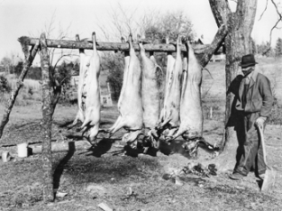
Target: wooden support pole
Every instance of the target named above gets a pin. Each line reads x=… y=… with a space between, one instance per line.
x=29 y=57
x=47 y=111
x=109 y=46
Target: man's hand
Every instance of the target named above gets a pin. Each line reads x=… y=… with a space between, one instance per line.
x=260 y=121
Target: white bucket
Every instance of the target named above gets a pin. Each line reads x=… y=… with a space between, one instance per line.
x=6 y=156
x=22 y=150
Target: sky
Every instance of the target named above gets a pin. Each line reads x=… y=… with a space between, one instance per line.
x=30 y=18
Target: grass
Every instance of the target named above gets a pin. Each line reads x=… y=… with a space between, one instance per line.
x=28 y=95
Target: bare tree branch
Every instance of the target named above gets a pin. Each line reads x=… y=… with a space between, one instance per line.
x=104 y=32
x=50 y=27
x=265 y=8
x=276 y=8
x=279 y=20
x=61 y=58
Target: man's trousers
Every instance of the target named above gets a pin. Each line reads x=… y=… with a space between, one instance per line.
x=249 y=143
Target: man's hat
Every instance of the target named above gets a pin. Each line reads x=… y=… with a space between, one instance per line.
x=247 y=61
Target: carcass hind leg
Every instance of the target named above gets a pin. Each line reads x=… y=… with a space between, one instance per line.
x=78 y=117
x=170 y=136
x=118 y=125
x=93 y=132
x=163 y=124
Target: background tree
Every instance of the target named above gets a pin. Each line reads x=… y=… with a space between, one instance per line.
x=18 y=68
x=169 y=25
x=278 y=47
x=263 y=49
x=7 y=63
x=10 y=61
x=278 y=22
x=63 y=74
x=114 y=63
x=4 y=85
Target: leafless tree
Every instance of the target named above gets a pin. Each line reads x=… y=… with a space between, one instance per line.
x=276 y=24
x=10 y=60
x=124 y=21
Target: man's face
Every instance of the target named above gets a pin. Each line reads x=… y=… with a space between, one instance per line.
x=247 y=70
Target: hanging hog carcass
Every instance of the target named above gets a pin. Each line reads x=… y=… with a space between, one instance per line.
x=130 y=103
x=151 y=100
x=191 y=115
x=90 y=94
x=84 y=66
x=169 y=119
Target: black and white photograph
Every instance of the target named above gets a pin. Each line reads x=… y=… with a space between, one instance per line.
x=141 y=105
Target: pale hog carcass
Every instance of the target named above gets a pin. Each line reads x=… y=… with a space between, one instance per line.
x=191 y=115
x=83 y=67
x=130 y=103
x=170 y=113
x=90 y=90
x=151 y=101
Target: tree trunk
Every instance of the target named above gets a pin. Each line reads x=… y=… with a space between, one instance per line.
x=47 y=111
x=238 y=42
x=29 y=57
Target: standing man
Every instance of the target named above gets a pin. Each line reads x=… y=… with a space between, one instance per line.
x=254 y=102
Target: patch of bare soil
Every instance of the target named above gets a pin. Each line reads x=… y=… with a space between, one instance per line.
x=95 y=176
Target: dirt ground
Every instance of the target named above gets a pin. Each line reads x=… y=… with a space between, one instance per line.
x=136 y=182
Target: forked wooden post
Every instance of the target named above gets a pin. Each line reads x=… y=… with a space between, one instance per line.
x=47 y=93
x=29 y=57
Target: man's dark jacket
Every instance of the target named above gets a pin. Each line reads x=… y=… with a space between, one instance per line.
x=259 y=96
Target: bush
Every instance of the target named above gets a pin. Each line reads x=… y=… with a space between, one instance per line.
x=34 y=73
x=63 y=73
x=115 y=64
x=18 y=68
x=4 y=84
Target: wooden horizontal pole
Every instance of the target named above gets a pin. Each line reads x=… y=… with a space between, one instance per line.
x=109 y=46
x=55 y=147
x=62 y=147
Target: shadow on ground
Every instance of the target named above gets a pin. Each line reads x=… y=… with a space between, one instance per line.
x=88 y=169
